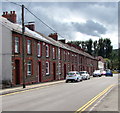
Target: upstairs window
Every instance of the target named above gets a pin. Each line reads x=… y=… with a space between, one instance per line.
x=39 y=49
x=68 y=56
x=17 y=45
x=59 y=53
x=59 y=68
x=47 y=51
x=64 y=55
x=29 y=67
x=54 y=53
x=47 y=68
x=29 y=47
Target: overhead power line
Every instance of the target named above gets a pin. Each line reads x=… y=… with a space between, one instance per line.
x=43 y=22
x=14 y=3
x=37 y=18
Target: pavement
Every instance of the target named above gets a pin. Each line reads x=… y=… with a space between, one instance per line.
x=17 y=89
x=108 y=102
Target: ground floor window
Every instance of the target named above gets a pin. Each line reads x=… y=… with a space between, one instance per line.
x=29 y=67
x=47 y=68
x=59 y=68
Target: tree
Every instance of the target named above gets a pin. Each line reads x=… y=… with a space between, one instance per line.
x=107 y=48
x=101 y=47
x=95 y=47
x=89 y=45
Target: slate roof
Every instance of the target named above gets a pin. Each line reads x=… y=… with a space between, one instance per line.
x=37 y=35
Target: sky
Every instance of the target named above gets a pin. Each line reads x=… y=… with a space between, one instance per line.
x=72 y=20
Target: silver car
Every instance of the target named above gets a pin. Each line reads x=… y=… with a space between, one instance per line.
x=73 y=76
x=85 y=75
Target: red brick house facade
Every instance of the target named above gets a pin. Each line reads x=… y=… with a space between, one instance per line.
x=45 y=60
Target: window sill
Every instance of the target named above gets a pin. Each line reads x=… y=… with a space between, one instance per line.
x=38 y=56
x=47 y=74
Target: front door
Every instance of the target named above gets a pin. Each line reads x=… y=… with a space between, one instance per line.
x=17 y=72
x=72 y=67
x=64 y=71
x=39 y=72
x=54 y=71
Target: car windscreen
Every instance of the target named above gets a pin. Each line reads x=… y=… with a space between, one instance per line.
x=70 y=73
x=108 y=71
x=82 y=72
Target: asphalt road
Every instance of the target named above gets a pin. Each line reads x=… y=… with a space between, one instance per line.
x=59 y=97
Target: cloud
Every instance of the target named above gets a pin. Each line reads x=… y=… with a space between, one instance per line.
x=90 y=28
x=72 y=19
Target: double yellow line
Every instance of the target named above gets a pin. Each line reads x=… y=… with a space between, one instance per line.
x=84 y=107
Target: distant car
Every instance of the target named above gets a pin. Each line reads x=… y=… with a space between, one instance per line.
x=85 y=75
x=97 y=73
x=109 y=73
x=73 y=76
x=103 y=73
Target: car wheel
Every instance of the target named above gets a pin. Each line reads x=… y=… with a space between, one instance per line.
x=66 y=81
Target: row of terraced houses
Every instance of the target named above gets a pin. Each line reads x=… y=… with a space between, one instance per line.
x=46 y=58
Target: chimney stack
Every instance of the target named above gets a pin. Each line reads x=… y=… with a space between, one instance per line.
x=54 y=36
x=10 y=16
x=31 y=26
x=62 y=40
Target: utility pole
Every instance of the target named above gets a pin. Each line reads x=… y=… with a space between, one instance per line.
x=23 y=40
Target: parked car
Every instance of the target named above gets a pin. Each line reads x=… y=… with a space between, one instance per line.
x=103 y=72
x=85 y=75
x=73 y=76
x=109 y=73
x=97 y=73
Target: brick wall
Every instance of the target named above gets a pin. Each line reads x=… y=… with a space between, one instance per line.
x=69 y=62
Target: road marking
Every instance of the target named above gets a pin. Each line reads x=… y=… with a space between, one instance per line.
x=84 y=107
x=26 y=90
x=101 y=99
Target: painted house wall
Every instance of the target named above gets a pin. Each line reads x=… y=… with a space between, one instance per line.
x=6 y=54
x=100 y=65
x=0 y=54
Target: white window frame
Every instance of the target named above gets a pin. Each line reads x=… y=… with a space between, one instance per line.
x=64 y=55
x=47 y=68
x=39 y=49
x=29 y=46
x=59 y=68
x=59 y=53
x=29 y=66
x=17 y=45
x=68 y=56
x=53 y=52
x=47 y=51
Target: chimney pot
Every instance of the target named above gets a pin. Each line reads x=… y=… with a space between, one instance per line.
x=3 y=13
x=10 y=12
x=6 y=12
x=13 y=12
